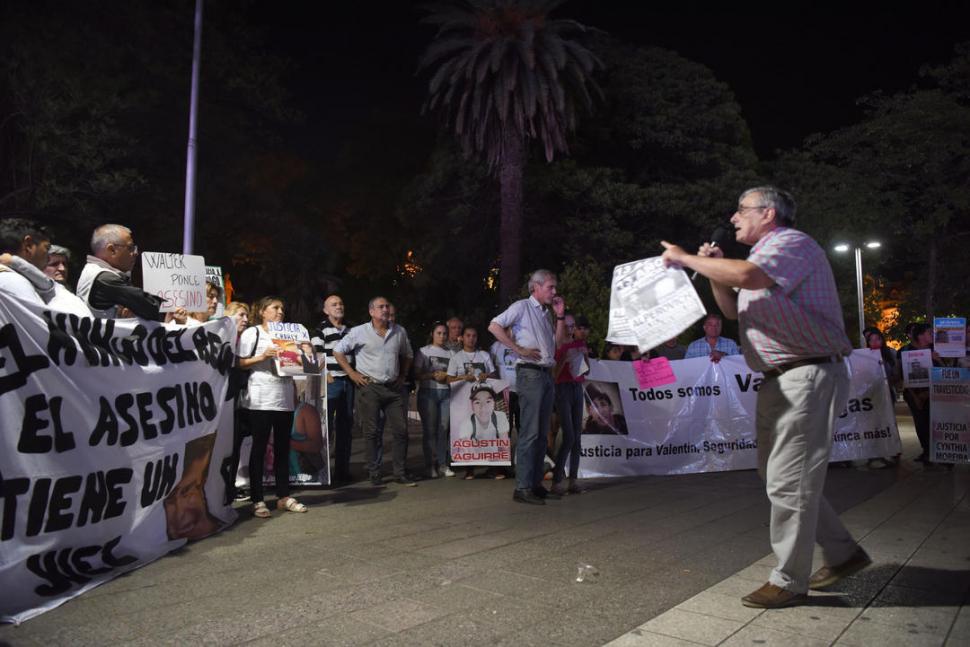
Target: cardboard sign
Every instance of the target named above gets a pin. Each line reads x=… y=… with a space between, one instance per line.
x=654 y=372
x=176 y=278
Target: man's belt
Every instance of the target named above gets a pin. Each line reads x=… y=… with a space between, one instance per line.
x=533 y=367
x=798 y=363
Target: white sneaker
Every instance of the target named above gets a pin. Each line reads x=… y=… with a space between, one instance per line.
x=448 y=472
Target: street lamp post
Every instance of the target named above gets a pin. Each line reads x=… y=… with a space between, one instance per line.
x=842 y=248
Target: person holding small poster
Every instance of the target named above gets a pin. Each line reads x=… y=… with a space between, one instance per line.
x=470 y=364
x=270 y=400
x=918 y=399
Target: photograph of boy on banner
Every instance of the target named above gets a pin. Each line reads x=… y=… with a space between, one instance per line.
x=602 y=401
x=480 y=424
x=187 y=513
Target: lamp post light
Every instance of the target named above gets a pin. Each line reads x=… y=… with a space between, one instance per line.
x=845 y=247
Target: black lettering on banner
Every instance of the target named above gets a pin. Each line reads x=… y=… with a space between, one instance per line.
x=66 y=566
x=58 y=340
x=148 y=429
x=25 y=364
x=61 y=502
x=746 y=383
x=94 y=500
x=123 y=402
x=10 y=489
x=107 y=424
x=49 y=499
x=195 y=403
x=159 y=479
x=30 y=441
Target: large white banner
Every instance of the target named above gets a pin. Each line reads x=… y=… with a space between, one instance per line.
x=705 y=421
x=114 y=441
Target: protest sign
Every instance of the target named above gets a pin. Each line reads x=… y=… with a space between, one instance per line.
x=309 y=457
x=654 y=372
x=480 y=423
x=177 y=278
x=296 y=355
x=949 y=336
x=704 y=422
x=950 y=415
x=916 y=368
x=115 y=439
x=213 y=275
x=650 y=303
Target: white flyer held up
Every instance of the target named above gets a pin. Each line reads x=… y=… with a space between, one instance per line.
x=650 y=303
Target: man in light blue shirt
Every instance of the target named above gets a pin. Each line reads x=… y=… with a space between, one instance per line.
x=383 y=358
x=712 y=344
x=528 y=329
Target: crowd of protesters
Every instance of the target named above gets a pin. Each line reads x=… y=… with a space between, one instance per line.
x=539 y=349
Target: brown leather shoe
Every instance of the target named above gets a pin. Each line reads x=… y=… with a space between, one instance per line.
x=829 y=575
x=770 y=596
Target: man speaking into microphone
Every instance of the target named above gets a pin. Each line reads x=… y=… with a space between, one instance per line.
x=792 y=331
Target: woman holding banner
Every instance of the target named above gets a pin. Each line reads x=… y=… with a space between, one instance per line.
x=434 y=400
x=270 y=400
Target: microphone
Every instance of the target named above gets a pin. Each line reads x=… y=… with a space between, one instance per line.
x=718 y=238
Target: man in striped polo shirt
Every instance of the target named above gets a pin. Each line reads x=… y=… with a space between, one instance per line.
x=340 y=390
x=792 y=331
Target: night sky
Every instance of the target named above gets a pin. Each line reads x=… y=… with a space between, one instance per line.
x=795 y=70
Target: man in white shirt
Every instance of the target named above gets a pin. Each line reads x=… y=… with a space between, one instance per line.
x=527 y=328
x=29 y=241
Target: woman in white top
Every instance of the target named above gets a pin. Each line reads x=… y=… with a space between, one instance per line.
x=434 y=401
x=270 y=400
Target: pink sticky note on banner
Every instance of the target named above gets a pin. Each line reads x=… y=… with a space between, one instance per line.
x=655 y=372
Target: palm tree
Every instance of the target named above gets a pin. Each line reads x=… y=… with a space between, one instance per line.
x=506 y=72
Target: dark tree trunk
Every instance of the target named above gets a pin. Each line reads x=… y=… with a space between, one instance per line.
x=931 y=281
x=510 y=231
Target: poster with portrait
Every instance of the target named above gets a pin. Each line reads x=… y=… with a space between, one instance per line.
x=949 y=336
x=603 y=409
x=916 y=368
x=480 y=424
x=309 y=456
x=296 y=355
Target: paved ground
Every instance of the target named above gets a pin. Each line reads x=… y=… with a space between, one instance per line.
x=457 y=562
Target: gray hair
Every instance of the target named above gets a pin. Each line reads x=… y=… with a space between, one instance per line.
x=57 y=250
x=370 y=304
x=106 y=235
x=781 y=201
x=539 y=277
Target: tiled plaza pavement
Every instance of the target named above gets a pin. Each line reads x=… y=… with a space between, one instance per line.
x=456 y=562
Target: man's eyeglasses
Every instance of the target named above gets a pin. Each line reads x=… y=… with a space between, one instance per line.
x=742 y=208
x=131 y=247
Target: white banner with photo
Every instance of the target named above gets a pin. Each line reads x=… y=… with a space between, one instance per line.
x=704 y=422
x=480 y=423
x=115 y=439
